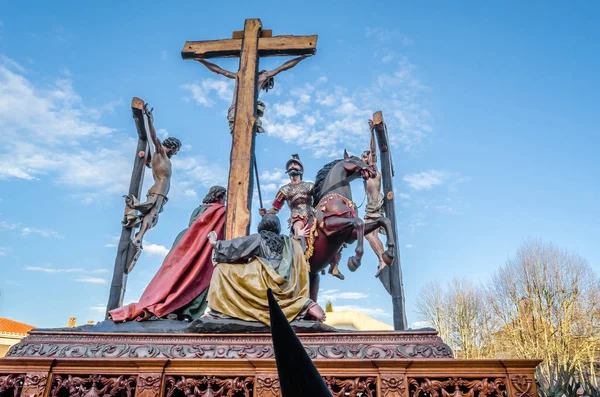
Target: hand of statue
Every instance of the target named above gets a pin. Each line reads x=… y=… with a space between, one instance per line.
x=212 y=238
x=141 y=154
x=305 y=231
x=149 y=113
x=371 y=124
x=262 y=211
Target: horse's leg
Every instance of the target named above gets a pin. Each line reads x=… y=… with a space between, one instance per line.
x=355 y=228
x=314 y=281
x=359 y=228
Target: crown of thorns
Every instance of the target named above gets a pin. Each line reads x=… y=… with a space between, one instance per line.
x=172 y=143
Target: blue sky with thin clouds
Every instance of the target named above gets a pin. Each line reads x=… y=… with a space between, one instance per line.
x=492 y=109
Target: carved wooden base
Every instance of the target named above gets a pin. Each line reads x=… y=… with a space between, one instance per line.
x=245 y=378
x=340 y=346
x=374 y=364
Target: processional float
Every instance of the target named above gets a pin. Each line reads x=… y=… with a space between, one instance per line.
x=212 y=357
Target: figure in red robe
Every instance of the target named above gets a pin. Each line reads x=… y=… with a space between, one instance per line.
x=181 y=284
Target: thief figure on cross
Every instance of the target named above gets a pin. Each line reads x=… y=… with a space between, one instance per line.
x=146 y=214
x=266 y=82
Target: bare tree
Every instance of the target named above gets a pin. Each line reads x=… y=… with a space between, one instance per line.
x=543 y=303
x=548 y=301
x=460 y=315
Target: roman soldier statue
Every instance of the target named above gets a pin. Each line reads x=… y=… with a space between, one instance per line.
x=298 y=195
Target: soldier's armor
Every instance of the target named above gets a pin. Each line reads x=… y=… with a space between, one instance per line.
x=298 y=197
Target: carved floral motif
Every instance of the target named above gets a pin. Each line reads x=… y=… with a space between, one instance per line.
x=93 y=386
x=208 y=386
x=392 y=386
x=35 y=384
x=11 y=384
x=354 y=387
x=457 y=387
x=409 y=346
x=148 y=385
x=523 y=385
x=267 y=386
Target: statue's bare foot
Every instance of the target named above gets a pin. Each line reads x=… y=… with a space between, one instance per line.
x=209 y=316
x=316 y=312
x=334 y=270
x=146 y=315
x=138 y=252
x=382 y=265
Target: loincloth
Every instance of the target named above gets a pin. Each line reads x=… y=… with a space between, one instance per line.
x=260 y=111
x=136 y=211
x=374 y=211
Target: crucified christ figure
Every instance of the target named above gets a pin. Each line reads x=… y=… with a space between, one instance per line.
x=157 y=194
x=374 y=209
x=266 y=82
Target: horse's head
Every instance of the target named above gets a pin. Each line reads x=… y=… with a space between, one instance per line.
x=355 y=165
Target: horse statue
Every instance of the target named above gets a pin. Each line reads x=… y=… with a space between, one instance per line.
x=335 y=219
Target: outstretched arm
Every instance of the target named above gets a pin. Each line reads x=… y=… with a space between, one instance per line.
x=373 y=149
x=214 y=68
x=286 y=66
x=157 y=143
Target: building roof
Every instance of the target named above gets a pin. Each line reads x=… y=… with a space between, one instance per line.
x=10 y=327
x=350 y=319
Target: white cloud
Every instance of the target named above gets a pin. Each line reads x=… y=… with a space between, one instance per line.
x=202 y=92
x=98 y=308
x=90 y=280
x=27 y=230
x=64 y=270
x=155 y=249
x=274 y=175
x=426 y=180
x=409 y=246
x=420 y=324
x=333 y=295
x=286 y=109
x=367 y=311
x=4 y=251
x=9 y=282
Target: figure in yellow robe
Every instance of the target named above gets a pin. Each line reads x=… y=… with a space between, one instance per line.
x=246 y=267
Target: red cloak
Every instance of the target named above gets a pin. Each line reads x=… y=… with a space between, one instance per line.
x=185 y=273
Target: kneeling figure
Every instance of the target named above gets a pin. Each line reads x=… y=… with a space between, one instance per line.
x=245 y=267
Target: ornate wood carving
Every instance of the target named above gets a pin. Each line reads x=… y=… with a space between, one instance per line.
x=257 y=346
x=267 y=385
x=148 y=385
x=208 y=386
x=522 y=385
x=392 y=385
x=354 y=387
x=457 y=387
x=93 y=386
x=35 y=384
x=11 y=385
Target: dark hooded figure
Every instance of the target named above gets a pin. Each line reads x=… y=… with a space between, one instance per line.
x=298 y=376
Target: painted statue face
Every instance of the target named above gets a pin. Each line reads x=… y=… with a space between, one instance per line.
x=364 y=158
x=294 y=166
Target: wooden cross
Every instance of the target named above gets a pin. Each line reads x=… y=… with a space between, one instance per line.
x=248 y=45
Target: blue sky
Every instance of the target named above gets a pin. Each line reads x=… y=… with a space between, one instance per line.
x=492 y=109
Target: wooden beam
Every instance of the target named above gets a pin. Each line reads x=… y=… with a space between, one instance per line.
x=394 y=271
x=125 y=249
x=239 y=191
x=239 y=34
x=267 y=46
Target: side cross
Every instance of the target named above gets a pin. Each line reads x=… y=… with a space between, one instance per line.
x=248 y=45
